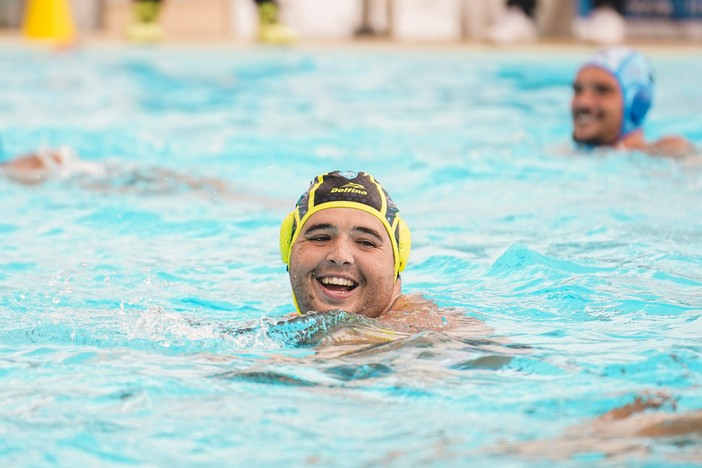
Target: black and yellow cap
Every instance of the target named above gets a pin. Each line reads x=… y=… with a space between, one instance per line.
x=347 y=189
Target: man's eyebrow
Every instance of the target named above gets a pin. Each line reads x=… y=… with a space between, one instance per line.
x=601 y=85
x=594 y=84
x=319 y=227
x=369 y=231
x=331 y=227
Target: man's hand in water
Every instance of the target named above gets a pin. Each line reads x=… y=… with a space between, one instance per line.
x=32 y=168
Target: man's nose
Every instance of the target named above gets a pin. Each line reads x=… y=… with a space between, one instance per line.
x=341 y=252
x=583 y=99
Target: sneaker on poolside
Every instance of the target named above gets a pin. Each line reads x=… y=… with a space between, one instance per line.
x=513 y=27
x=603 y=26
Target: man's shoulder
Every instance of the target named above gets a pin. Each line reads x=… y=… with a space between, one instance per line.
x=414 y=312
x=412 y=303
x=671 y=145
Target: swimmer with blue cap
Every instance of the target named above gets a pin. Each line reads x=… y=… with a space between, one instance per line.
x=612 y=93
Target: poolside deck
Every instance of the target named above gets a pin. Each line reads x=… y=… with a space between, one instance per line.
x=555 y=45
x=232 y=24
x=182 y=31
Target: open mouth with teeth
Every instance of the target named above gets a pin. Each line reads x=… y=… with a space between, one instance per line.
x=584 y=117
x=337 y=284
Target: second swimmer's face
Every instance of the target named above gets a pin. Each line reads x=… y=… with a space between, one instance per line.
x=597 y=107
x=343 y=260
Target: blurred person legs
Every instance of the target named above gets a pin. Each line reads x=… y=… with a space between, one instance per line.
x=601 y=22
x=270 y=29
x=145 y=25
x=516 y=24
x=605 y=23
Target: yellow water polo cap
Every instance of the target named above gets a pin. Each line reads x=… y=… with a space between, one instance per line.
x=347 y=189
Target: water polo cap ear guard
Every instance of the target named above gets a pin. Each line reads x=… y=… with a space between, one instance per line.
x=636 y=79
x=348 y=189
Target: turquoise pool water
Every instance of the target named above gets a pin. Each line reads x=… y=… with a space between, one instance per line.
x=139 y=314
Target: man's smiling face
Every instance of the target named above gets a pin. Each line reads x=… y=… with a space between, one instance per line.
x=343 y=259
x=597 y=107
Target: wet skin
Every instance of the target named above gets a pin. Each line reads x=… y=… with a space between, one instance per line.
x=596 y=107
x=343 y=260
x=31 y=169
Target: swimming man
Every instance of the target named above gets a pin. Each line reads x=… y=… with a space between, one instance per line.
x=34 y=168
x=612 y=93
x=64 y=164
x=345 y=246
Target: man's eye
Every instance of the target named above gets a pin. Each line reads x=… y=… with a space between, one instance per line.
x=599 y=89
x=319 y=238
x=366 y=243
x=577 y=88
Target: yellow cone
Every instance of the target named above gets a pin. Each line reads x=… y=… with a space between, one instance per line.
x=49 y=19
